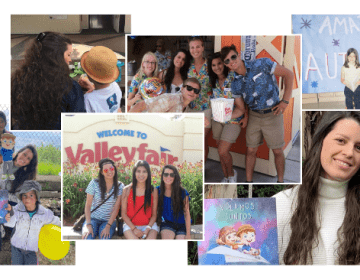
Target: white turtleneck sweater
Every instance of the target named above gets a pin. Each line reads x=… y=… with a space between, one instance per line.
x=332 y=213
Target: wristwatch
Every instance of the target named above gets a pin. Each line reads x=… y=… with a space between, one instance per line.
x=286 y=102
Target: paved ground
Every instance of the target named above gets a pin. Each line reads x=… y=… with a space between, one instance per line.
x=214 y=174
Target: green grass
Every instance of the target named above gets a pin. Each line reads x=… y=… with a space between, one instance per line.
x=48 y=168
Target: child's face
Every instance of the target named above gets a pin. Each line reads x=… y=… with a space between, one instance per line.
x=8 y=143
x=247 y=238
x=230 y=238
x=29 y=199
x=352 y=57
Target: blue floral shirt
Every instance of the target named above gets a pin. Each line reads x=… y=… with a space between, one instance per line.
x=258 y=87
x=164 y=60
x=224 y=91
x=203 y=102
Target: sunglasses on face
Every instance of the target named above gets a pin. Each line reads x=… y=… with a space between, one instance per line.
x=109 y=169
x=190 y=88
x=172 y=175
x=233 y=57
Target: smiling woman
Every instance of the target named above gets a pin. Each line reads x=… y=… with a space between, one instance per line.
x=322 y=226
x=139 y=205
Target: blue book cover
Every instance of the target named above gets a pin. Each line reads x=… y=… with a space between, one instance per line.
x=239 y=232
x=4 y=196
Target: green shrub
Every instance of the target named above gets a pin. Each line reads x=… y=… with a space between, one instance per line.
x=48 y=168
x=49 y=154
x=259 y=191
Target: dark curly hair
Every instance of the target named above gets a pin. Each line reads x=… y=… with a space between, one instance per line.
x=213 y=77
x=37 y=88
x=304 y=228
x=170 y=72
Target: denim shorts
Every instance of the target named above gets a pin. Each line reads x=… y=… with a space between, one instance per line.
x=179 y=229
x=142 y=228
x=98 y=227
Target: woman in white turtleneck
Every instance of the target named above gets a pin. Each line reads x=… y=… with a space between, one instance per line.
x=319 y=221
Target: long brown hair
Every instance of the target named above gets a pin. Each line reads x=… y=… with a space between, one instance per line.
x=304 y=229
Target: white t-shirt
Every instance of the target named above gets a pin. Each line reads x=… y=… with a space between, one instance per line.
x=106 y=100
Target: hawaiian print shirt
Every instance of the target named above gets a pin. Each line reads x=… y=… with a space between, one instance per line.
x=164 y=60
x=203 y=102
x=167 y=102
x=135 y=83
x=224 y=91
x=258 y=87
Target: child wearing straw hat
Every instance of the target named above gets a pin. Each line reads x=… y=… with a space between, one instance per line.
x=100 y=65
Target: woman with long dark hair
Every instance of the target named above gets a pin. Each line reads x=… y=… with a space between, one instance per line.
x=105 y=191
x=227 y=133
x=173 y=207
x=139 y=204
x=24 y=168
x=176 y=74
x=42 y=88
x=319 y=221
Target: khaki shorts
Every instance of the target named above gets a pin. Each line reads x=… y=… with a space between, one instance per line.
x=207 y=114
x=226 y=132
x=266 y=126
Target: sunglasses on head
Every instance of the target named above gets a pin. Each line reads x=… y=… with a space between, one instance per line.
x=109 y=169
x=233 y=57
x=172 y=175
x=190 y=88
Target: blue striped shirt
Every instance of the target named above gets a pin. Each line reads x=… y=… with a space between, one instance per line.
x=104 y=211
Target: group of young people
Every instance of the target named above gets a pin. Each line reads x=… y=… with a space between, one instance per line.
x=191 y=81
x=41 y=88
x=145 y=210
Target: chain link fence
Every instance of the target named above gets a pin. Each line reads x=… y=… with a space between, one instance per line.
x=48 y=146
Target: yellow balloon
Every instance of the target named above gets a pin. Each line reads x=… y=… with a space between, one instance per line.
x=50 y=244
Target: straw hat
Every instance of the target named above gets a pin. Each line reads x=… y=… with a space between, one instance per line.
x=100 y=64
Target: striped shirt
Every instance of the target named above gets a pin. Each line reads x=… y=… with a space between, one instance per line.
x=104 y=211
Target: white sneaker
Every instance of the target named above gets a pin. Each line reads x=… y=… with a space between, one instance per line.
x=225 y=180
x=233 y=179
x=2 y=230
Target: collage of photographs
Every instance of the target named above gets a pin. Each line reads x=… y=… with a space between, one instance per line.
x=246 y=148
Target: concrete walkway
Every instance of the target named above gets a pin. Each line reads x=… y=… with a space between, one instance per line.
x=214 y=174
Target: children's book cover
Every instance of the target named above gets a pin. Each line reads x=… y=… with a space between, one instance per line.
x=4 y=196
x=239 y=232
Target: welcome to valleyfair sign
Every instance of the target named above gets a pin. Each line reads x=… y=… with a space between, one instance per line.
x=325 y=40
x=124 y=153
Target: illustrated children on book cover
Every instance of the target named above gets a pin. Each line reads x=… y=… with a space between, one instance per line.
x=239 y=232
x=6 y=151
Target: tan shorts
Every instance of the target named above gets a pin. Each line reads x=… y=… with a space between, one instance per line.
x=266 y=126
x=207 y=114
x=226 y=132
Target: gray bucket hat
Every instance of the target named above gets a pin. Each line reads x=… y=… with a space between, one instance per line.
x=30 y=185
